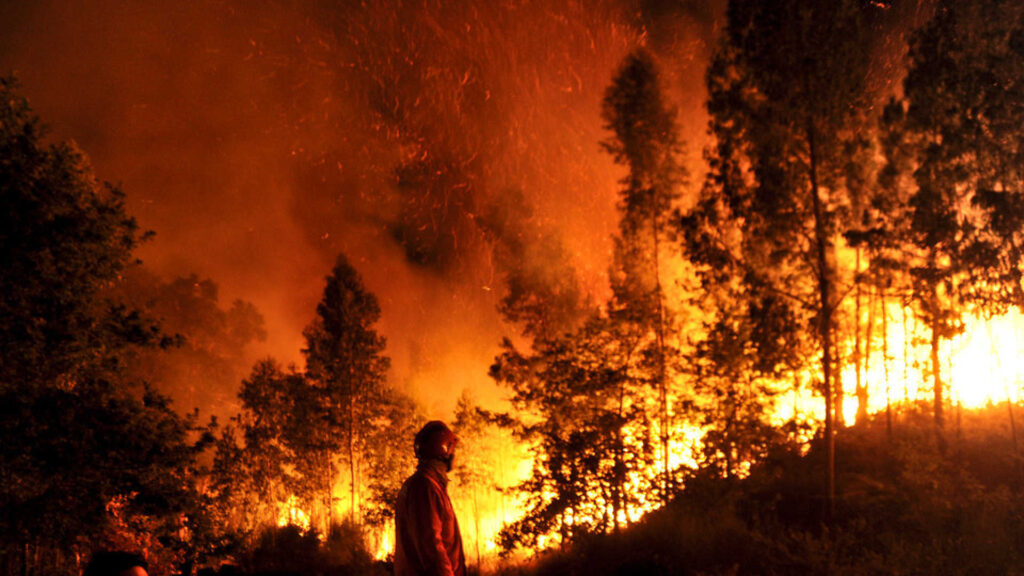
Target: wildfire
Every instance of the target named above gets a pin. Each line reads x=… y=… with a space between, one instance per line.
x=985 y=361
x=981 y=367
x=385 y=542
x=981 y=364
x=290 y=514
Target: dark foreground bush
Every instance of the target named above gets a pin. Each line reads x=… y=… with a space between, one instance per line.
x=287 y=551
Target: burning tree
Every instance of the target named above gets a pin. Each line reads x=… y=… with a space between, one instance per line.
x=584 y=393
x=787 y=99
x=345 y=362
x=646 y=141
x=954 y=154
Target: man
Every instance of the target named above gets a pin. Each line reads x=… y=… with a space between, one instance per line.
x=116 y=563
x=427 y=539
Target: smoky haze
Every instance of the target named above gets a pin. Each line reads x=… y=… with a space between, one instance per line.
x=259 y=139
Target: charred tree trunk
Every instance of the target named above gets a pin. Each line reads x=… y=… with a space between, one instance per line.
x=352 y=456
x=662 y=376
x=906 y=351
x=936 y=371
x=330 y=491
x=825 y=323
x=476 y=524
x=859 y=353
x=837 y=380
x=862 y=384
x=885 y=367
x=620 y=465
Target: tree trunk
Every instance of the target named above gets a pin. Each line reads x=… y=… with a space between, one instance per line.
x=476 y=523
x=618 y=488
x=858 y=344
x=862 y=386
x=906 y=351
x=824 y=325
x=885 y=368
x=837 y=380
x=662 y=377
x=330 y=493
x=936 y=371
x=352 y=456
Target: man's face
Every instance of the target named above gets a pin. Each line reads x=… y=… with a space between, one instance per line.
x=450 y=462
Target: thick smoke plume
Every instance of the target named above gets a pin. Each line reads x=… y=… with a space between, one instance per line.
x=259 y=139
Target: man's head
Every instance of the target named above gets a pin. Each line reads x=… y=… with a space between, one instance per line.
x=435 y=441
x=116 y=564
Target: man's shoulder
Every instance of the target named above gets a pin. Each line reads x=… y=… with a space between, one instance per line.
x=421 y=479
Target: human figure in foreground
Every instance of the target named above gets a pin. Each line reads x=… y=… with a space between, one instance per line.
x=116 y=564
x=427 y=538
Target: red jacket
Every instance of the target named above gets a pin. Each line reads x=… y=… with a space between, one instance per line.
x=427 y=539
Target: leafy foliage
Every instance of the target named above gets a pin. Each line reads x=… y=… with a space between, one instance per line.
x=75 y=435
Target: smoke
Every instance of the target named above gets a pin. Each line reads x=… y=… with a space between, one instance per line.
x=259 y=139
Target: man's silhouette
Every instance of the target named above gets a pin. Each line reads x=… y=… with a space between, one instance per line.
x=427 y=539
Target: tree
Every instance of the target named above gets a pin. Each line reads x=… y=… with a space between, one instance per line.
x=76 y=437
x=278 y=459
x=389 y=459
x=211 y=347
x=345 y=361
x=64 y=239
x=645 y=140
x=958 y=126
x=481 y=463
x=583 y=393
x=584 y=419
x=787 y=96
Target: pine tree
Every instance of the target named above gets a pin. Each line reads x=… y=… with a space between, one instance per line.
x=345 y=361
x=645 y=140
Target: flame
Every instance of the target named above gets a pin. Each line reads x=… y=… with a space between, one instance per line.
x=290 y=514
x=385 y=542
x=985 y=364
x=979 y=366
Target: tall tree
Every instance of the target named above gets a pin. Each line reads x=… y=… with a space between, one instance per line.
x=787 y=95
x=345 y=360
x=960 y=119
x=645 y=139
x=82 y=449
x=583 y=394
x=64 y=239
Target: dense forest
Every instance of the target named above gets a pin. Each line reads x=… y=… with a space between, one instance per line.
x=772 y=381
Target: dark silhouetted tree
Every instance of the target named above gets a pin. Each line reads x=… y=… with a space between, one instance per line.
x=645 y=140
x=787 y=99
x=345 y=361
x=958 y=126
x=86 y=456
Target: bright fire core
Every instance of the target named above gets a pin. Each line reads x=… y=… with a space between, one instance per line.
x=981 y=365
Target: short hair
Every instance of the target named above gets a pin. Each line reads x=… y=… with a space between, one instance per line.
x=113 y=563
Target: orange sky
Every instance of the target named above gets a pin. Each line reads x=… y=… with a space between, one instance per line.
x=259 y=139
